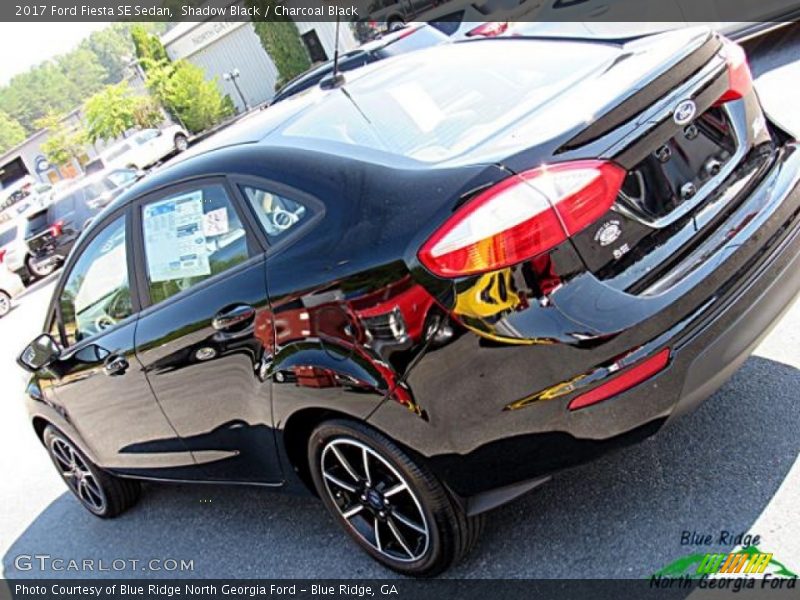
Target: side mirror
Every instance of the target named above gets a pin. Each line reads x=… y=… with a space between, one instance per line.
x=39 y=353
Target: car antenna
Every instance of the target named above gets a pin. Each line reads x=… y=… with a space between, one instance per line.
x=337 y=78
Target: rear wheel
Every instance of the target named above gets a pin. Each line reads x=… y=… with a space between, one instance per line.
x=5 y=303
x=395 y=25
x=37 y=269
x=101 y=493
x=397 y=511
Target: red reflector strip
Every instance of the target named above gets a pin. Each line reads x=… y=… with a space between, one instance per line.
x=624 y=381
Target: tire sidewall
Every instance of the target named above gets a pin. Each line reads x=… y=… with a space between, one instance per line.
x=379 y=443
x=50 y=435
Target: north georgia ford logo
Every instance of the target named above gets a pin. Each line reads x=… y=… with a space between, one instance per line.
x=684 y=112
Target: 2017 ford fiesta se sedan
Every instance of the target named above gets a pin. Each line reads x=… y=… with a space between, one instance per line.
x=423 y=292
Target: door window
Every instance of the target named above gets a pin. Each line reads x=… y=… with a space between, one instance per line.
x=278 y=215
x=190 y=237
x=97 y=294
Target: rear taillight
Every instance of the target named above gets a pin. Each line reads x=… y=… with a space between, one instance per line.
x=522 y=217
x=739 y=77
x=2 y=256
x=56 y=228
x=489 y=29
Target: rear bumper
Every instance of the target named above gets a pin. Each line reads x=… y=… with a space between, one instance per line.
x=477 y=442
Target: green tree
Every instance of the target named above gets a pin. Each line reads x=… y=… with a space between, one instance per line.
x=84 y=70
x=149 y=49
x=281 y=40
x=115 y=109
x=64 y=143
x=109 y=113
x=185 y=93
x=11 y=132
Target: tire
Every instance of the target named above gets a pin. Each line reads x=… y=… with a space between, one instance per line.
x=181 y=143
x=421 y=529
x=101 y=493
x=5 y=303
x=38 y=272
x=395 y=25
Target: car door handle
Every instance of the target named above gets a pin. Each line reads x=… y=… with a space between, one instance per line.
x=230 y=317
x=115 y=365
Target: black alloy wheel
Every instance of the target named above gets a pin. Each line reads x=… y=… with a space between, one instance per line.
x=387 y=502
x=101 y=493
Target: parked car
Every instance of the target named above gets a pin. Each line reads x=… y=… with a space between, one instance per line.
x=13 y=250
x=10 y=286
x=141 y=150
x=391 y=15
x=408 y=39
x=462 y=20
x=607 y=234
x=51 y=233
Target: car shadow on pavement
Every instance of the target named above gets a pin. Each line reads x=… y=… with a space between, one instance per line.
x=621 y=516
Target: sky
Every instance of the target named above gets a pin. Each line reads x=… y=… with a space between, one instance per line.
x=23 y=45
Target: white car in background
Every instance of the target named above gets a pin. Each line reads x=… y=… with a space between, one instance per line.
x=141 y=150
x=10 y=286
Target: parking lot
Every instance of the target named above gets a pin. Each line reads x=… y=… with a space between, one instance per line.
x=732 y=465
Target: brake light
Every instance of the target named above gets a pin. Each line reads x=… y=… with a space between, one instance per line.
x=739 y=77
x=2 y=255
x=625 y=381
x=489 y=29
x=522 y=217
x=56 y=228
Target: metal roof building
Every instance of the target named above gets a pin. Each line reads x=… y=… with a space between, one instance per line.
x=219 y=47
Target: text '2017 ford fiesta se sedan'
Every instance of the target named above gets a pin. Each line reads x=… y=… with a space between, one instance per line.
x=421 y=293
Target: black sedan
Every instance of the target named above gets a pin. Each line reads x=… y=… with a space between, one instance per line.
x=422 y=293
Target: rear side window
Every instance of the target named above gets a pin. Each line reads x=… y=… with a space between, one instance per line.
x=36 y=223
x=278 y=215
x=190 y=237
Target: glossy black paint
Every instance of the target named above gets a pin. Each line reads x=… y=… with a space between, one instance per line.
x=477 y=381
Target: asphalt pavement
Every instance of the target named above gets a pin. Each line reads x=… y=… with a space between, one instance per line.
x=730 y=466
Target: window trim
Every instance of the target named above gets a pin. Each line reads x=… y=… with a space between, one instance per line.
x=312 y=204
x=254 y=248
x=54 y=309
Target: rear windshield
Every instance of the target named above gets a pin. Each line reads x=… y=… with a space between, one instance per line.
x=448 y=24
x=434 y=105
x=36 y=223
x=8 y=236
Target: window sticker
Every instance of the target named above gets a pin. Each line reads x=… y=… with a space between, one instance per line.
x=215 y=222
x=174 y=238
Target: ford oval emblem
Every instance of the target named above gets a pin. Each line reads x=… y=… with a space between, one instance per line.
x=684 y=112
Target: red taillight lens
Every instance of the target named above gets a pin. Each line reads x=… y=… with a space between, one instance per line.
x=625 y=381
x=2 y=255
x=490 y=29
x=739 y=76
x=56 y=228
x=522 y=217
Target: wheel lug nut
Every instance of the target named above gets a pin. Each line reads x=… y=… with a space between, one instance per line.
x=363 y=497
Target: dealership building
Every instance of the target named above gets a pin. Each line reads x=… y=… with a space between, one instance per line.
x=222 y=47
